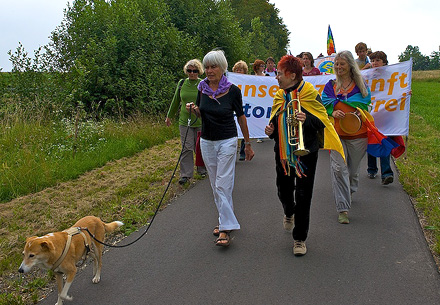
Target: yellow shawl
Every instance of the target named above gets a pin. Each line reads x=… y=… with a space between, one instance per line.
x=308 y=99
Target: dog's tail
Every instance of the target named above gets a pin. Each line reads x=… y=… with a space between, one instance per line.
x=110 y=227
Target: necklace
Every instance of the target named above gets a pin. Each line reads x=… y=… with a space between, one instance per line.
x=346 y=87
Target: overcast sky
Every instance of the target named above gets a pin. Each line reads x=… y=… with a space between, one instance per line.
x=387 y=26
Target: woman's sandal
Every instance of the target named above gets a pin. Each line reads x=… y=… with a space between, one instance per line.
x=216 y=231
x=223 y=241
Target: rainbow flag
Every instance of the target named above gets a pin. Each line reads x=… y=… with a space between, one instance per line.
x=380 y=145
x=330 y=42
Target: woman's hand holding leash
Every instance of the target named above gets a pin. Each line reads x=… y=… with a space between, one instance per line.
x=191 y=107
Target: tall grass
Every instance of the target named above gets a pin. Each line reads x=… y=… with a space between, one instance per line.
x=36 y=154
x=420 y=170
x=433 y=75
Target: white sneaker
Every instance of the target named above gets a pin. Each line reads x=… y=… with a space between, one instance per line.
x=299 y=248
x=288 y=223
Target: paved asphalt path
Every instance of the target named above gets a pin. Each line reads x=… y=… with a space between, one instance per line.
x=381 y=257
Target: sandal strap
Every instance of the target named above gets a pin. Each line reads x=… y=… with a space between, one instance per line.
x=219 y=241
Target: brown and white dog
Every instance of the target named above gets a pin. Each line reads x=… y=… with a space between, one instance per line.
x=61 y=251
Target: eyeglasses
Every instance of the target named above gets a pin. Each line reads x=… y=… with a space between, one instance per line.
x=192 y=71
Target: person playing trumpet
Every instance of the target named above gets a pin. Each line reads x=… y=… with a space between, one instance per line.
x=296 y=165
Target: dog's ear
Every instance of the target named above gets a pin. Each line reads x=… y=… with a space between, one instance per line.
x=47 y=245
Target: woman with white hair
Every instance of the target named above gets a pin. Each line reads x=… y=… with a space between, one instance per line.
x=217 y=102
x=344 y=99
x=186 y=91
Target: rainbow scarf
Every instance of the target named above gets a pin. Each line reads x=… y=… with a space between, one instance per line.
x=354 y=98
x=287 y=158
x=310 y=101
x=379 y=145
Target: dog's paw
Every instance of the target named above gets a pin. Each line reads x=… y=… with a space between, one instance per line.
x=96 y=279
x=67 y=297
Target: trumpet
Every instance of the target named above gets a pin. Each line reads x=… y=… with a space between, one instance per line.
x=294 y=129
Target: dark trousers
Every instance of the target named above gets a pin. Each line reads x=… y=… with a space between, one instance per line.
x=385 y=167
x=295 y=193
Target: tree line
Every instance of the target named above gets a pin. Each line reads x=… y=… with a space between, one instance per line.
x=123 y=56
x=420 y=61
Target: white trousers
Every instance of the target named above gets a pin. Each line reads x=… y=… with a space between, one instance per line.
x=219 y=157
x=345 y=177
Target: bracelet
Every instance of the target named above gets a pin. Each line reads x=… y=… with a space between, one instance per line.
x=247 y=143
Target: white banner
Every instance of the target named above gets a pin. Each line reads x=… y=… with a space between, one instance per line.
x=390 y=87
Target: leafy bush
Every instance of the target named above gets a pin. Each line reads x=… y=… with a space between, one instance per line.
x=115 y=57
x=123 y=56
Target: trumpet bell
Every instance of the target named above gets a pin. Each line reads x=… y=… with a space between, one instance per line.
x=301 y=152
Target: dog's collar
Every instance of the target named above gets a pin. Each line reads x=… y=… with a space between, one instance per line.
x=70 y=232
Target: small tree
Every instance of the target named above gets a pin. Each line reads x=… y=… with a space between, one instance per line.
x=120 y=55
x=434 y=61
x=420 y=61
x=212 y=25
x=30 y=83
x=257 y=39
x=276 y=35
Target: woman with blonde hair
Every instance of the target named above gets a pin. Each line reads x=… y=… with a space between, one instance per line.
x=240 y=67
x=344 y=99
x=186 y=92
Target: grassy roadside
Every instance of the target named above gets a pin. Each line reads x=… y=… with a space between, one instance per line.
x=420 y=169
x=41 y=152
x=128 y=190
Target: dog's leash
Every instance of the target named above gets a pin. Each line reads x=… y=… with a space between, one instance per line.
x=161 y=200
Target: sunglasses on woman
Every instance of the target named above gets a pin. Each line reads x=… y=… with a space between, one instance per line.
x=192 y=71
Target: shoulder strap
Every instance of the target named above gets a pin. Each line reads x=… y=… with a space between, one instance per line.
x=181 y=84
x=180 y=88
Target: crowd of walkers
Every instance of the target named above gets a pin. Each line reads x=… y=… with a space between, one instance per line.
x=207 y=109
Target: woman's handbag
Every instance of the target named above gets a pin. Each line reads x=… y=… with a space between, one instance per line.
x=199 y=159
